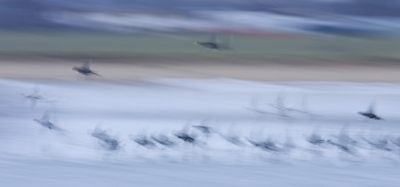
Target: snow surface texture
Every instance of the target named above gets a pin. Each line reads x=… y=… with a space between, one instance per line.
x=174 y=132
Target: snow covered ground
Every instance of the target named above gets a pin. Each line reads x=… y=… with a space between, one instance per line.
x=319 y=140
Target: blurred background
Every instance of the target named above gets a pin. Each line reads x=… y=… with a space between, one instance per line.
x=339 y=30
x=120 y=92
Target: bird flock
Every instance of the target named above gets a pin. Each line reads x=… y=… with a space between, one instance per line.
x=201 y=134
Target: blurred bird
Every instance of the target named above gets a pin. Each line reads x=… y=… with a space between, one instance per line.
x=344 y=142
x=267 y=145
x=340 y=146
x=34 y=96
x=203 y=128
x=106 y=140
x=381 y=143
x=183 y=134
x=85 y=69
x=45 y=121
x=232 y=138
x=344 y=138
x=186 y=137
x=370 y=113
x=280 y=106
x=163 y=140
x=235 y=140
x=304 y=109
x=315 y=139
x=255 y=108
x=213 y=43
x=143 y=141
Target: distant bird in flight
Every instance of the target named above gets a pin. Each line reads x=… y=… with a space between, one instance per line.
x=280 y=106
x=185 y=137
x=34 y=96
x=204 y=129
x=143 y=141
x=85 y=69
x=106 y=140
x=213 y=43
x=267 y=145
x=315 y=139
x=45 y=121
x=370 y=113
x=163 y=140
x=284 y=111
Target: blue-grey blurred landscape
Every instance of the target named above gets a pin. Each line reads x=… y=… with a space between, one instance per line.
x=339 y=30
x=330 y=16
x=199 y=92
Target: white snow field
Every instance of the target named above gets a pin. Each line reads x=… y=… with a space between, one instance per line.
x=319 y=140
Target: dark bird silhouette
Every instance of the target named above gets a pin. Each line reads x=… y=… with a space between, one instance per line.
x=370 y=113
x=163 y=140
x=344 y=142
x=143 y=141
x=204 y=129
x=85 y=69
x=213 y=43
x=340 y=146
x=106 y=140
x=267 y=145
x=315 y=139
x=233 y=140
x=185 y=137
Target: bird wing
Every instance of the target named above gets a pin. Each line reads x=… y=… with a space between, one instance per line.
x=185 y=128
x=371 y=108
x=94 y=73
x=225 y=44
x=87 y=64
x=46 y=116
x=279 y=101
x=214 y=38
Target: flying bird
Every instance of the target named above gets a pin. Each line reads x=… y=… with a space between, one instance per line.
x=370 y=113
x=107 y=141
x=34 y=96
x=163 y=140
x=203 y=128
x=231 y=137
x=45 y=122
x=280 y=106
x=143 y=141
x=382 y=144
x=213 y=43
x=267 y=145
x=85 y=69
x=315 y=139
